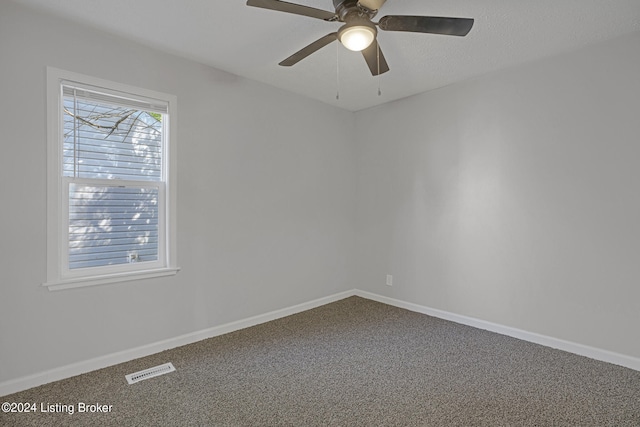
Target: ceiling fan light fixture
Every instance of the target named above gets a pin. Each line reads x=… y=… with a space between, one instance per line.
x=359 y=32
x=357 y=37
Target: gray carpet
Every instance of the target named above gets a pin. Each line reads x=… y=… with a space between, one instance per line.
x=354 y=362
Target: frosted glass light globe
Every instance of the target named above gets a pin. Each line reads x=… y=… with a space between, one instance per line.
x=357 y=38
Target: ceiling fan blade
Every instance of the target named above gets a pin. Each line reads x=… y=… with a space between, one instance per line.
x=308 y=50
x=372 y=4
x=375 y=59
x=427 y=24
x=297 y=9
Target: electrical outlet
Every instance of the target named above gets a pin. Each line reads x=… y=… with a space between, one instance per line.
x=389 y=280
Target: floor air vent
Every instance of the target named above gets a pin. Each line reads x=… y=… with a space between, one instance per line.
x=150 y=373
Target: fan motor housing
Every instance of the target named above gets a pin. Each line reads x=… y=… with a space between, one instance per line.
x=338 y=3
x=349 y=10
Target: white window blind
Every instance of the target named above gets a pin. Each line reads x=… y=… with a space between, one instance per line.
x=111 y=137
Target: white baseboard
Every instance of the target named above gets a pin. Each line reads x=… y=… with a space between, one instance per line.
x=23 y=383
x=571 y=347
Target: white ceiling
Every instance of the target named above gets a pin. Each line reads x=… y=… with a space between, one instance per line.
x=250 y=42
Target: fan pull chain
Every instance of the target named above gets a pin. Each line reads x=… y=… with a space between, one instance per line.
x=378 y=58
x=337 y=71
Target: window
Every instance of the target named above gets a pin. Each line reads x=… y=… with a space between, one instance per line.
x=111 y=182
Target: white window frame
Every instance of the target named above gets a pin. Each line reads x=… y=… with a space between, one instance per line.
x=59 y=276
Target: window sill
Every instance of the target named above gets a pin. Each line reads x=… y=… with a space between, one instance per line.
x=110 y=278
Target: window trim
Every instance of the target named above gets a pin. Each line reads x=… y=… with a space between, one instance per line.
x=57 y=273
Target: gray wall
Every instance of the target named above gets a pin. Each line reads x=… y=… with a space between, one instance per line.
x=265 y=204
x=513 y=198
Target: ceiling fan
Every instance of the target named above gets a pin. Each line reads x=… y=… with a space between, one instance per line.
x=359 y=32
